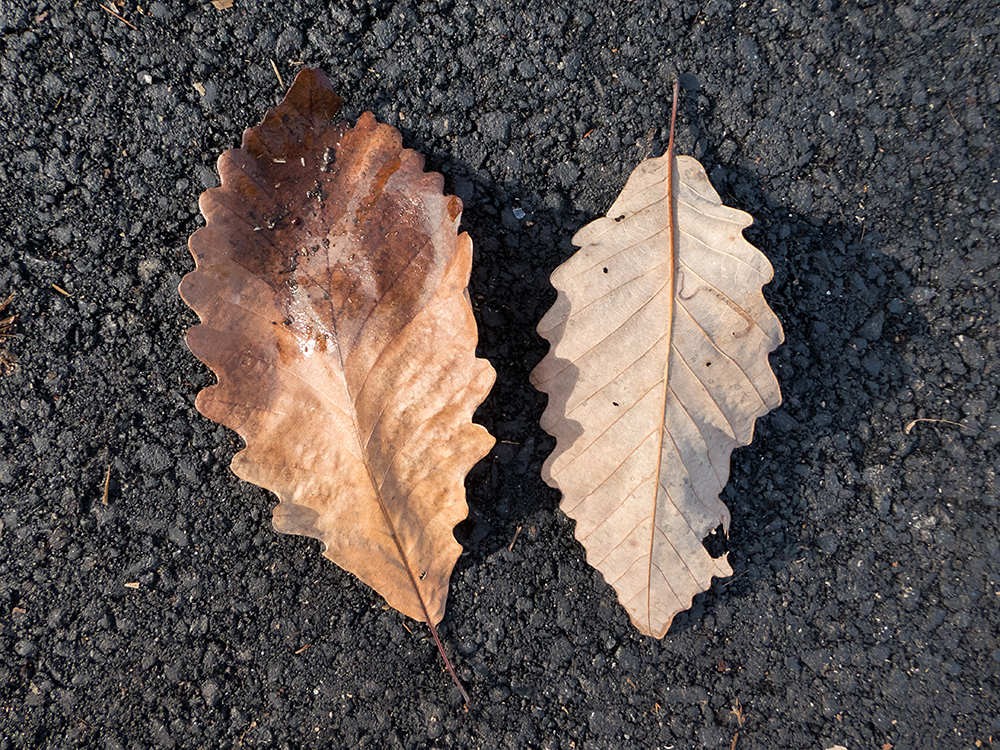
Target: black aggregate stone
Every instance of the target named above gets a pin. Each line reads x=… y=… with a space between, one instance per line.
x=864 y=610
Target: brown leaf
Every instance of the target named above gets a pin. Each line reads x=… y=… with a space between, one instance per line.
x=331 y=287
x=657 y=370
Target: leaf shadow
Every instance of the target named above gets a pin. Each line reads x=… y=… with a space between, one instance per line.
x=834 y=285
x=516 y=244
x=843 y=303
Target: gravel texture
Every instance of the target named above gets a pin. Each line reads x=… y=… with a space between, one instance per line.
x=865 y=607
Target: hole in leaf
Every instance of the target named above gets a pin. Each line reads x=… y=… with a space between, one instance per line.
x=716 y=543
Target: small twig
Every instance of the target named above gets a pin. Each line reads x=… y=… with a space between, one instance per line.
x=303 y=649
x=7 y=323
x=7 y=361
x=59 y=288
x=948 y=104
x=253 y=725
x=516 y=535
x=275 y=66
x=733 y=580
x=944 y=421
x=107 y=486
x=735 y=737
x=737 y=711
x=120 y=18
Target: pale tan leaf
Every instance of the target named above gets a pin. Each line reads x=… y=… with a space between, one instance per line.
x=657 y=371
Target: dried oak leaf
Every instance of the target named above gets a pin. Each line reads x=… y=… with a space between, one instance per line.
x=331 y=288
x=657 y=371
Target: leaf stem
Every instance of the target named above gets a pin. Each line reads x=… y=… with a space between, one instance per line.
x=447 y=663
x=671 y=227
x=672 y=253
x=414 y=582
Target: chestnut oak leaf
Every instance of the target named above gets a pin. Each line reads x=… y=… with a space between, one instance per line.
x=331 y=287
x=658 y=369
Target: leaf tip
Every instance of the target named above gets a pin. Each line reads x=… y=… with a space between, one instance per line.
x=312 y=93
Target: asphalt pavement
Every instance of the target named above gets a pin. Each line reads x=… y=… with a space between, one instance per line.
x=145 y=601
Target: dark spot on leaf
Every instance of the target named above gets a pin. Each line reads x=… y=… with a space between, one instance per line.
x=605 y=270
x=615 y=403
x=708 y=364
x=317 y=192
x=619 y=218
x=422 y=575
